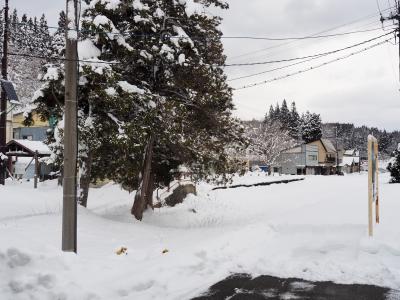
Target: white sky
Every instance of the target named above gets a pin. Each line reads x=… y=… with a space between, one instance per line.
x=363 y=89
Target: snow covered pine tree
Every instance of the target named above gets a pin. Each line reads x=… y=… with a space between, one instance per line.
x=311 y=128
x=97 y=131
x=394 y=166
x=144 y=94
x=170 y=54
x=30 y=37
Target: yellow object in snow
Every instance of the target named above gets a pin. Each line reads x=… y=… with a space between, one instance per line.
x=122 y=250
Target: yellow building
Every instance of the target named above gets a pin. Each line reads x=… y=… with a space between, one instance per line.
x=35 y=132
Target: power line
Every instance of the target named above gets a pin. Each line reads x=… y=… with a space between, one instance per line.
x=312 y=68
x=308 y=56
x=276 y=69
x=302 y=37
x=318 y=33
x=247 y=64
x=145 y=35
x=279 y=68
x=61 y=58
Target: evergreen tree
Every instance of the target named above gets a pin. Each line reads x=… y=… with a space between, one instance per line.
x=25 y=38
x=58 y=38
x=14 y=25
x=148 y=116
x=97 y=91
x=189 y=121
x=44 y=37
x=294 y=123
x=394 y=166
x=311 y=129
x=384 y=141
x=269 y=117
x=97 y=129
x=284 y=115
x=277 y=113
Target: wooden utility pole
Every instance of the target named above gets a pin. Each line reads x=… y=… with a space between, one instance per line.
x=395 y=17
x=3 y=105
x=337 y=151
x=69 y=216
x=36 y=176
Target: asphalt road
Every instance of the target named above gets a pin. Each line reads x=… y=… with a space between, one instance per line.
x=244 y=287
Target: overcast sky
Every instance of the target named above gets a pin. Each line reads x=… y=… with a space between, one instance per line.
x=363 y=89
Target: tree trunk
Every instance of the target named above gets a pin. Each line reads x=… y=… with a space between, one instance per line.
x=84 y=182
x=149 y=192
x=141 y=196
x=60 y=178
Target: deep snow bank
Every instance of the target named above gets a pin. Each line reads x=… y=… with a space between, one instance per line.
x=314 y=229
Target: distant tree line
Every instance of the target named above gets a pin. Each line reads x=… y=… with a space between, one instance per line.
x=353 y=137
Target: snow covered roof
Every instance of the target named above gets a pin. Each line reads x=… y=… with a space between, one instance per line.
x=293 y=150
x=28 y=147
x=350 y=160
x=349 y=152
x=328 y=145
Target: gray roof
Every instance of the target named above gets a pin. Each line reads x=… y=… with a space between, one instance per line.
x=328 y=145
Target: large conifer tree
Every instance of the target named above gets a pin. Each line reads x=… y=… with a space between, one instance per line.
x=153 y=97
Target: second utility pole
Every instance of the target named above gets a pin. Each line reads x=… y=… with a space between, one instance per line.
x=394 y=17
x=69 y=215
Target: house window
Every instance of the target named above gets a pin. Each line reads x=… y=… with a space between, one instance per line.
x=312 y=157
x=27 y=137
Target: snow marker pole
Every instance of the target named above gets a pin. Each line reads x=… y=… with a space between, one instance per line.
x=370 y=186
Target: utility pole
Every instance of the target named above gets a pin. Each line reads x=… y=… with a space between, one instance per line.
x=337 y=151
x=3 y=105
x=69 y=216
x=395 y=17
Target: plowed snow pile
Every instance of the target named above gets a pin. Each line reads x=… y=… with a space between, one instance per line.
x=314 y=229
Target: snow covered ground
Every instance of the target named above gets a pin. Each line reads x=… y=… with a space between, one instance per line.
x=314 y=229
